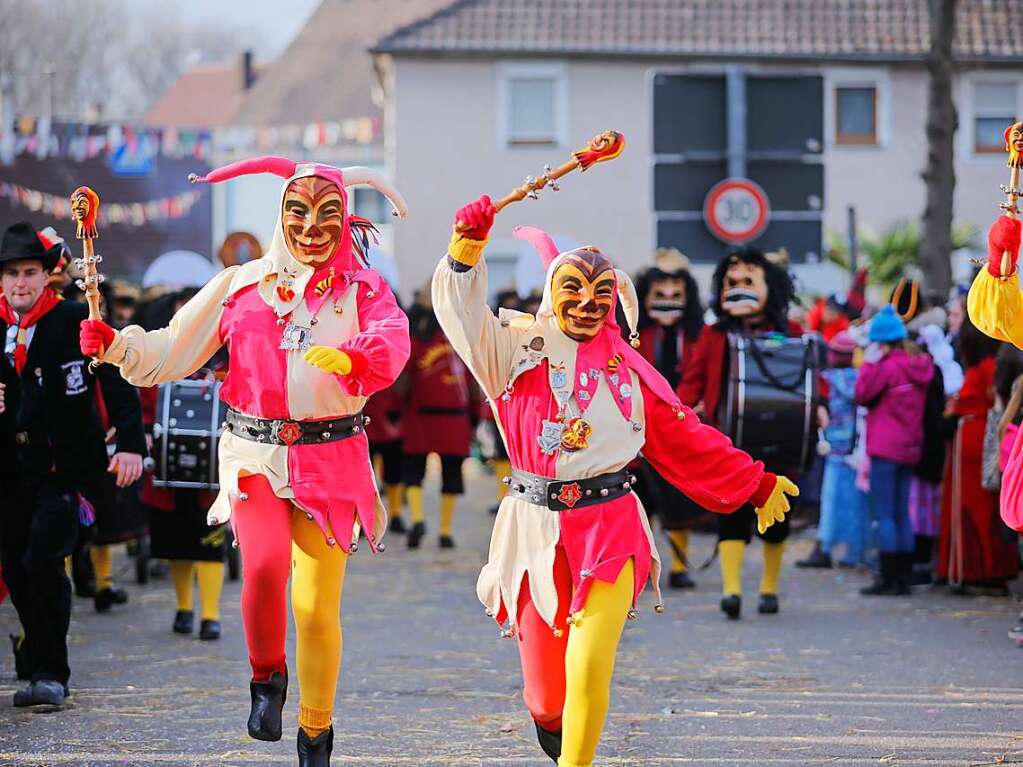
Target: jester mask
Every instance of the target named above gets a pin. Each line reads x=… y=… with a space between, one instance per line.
x=744 y=290
x=312 y=218
x=582 y=292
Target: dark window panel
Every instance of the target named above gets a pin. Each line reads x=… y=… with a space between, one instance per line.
x=683 y=186
x=689 y=114
x=856 y=115
x=784 y=114
x=802 y=239
x=790 y=185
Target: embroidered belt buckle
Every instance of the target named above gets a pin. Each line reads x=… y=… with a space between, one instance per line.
x=568 y=494
x=288 y=432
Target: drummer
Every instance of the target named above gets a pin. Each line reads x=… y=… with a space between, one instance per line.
x=751 y=295
x=52 y=452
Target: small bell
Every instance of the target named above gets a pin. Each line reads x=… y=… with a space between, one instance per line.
x=331 y=541
x=634 y=339
x=631 y=615
x=280 y=320
x=659 y=608
x=243 y=496
x=353 y=548
x=559 y=633
x=381 y=547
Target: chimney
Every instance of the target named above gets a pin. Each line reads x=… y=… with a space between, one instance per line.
x=248 y=70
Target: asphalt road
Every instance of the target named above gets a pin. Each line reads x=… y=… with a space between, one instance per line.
x=835 y=679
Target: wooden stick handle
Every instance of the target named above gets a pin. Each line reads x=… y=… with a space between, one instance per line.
x=1012 y=212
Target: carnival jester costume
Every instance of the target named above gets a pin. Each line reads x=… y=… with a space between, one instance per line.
x=571 y=548
x=311 y=332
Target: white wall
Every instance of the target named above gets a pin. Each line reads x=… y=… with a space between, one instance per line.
x=444 y=151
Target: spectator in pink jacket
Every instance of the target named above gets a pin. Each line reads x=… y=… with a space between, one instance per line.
x=893 y=388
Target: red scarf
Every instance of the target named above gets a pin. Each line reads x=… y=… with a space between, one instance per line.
x=47 y=300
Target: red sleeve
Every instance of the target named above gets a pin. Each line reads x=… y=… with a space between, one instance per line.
x=701 y=461
x=694 y=376
x=381 y=348
x=813 y=317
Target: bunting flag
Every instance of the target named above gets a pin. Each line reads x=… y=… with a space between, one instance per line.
x=111 y=213
x=82 y=141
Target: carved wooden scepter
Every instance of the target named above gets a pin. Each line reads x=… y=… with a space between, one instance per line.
x=604 y=146
x=1014 y=146
x=85 y=210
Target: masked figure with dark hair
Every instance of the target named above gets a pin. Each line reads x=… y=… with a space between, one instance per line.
x=751 y=295
x=571 y=548
x=670 y=321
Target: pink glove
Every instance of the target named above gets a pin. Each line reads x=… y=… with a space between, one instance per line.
x=1003 y=235
x=474 y=220
x=94 y=337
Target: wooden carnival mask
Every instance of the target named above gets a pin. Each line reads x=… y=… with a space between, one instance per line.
x=744 y=290
x=312 y=219
x=666 y=300
x=582 y=292
x=85 y=210
x=1014 y=144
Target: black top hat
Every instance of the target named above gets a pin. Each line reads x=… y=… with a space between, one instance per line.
x=21 y=242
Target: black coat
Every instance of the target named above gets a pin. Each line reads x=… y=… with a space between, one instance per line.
x=55 y=396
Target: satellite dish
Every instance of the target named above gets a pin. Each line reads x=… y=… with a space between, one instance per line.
x=179 y=269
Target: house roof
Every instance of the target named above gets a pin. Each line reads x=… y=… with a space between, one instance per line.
x=206 y=96
x=326 y=73
x=838 y=29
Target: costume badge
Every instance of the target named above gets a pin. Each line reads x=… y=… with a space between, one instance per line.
x=584 y=380
x=583 y=396
x=613 y=379
x=576 y=435
x=559 y=379
x=570 y=494
x=536 y=344
x=296 y=338
x=626 y=391
x=550 y=437
x=74 y=377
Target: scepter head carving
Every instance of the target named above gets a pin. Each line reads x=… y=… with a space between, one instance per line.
x=85 y=210
x=1014 y=144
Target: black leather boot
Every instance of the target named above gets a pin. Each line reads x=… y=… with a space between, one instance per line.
x=209 y=630
x=184 y=622
x=267 y=703
x=21 y=661
x=903 y=573
x=884 y=585
x=550 y=741
x=681 y=581
x=415 y=535
x=731 y=606
x=315 y=752
x=768 y=604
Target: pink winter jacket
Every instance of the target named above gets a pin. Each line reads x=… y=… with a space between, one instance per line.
x=894 y=391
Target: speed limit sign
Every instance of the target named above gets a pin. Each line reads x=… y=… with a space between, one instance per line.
x=736 y=210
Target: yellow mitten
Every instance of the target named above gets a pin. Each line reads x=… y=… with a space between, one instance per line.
x=777 y=505
x=329 y=360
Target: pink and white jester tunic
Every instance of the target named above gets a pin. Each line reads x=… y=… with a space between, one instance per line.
x=243 y=309
x=527 y=367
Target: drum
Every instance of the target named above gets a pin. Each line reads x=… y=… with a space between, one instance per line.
x=771 y=396
x=189 y=418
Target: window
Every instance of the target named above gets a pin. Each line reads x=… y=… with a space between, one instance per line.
x=369 y=203
x=532 y=105
x=856 y=114
x=994 y=110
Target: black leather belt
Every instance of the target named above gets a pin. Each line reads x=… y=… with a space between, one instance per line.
x=566 y=494
x=276 y=431
x=31 y=438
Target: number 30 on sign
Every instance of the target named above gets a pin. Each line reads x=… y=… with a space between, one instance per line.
x=736 y=210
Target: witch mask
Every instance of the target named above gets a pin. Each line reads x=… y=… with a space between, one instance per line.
x=666 y=300
x=744 y=290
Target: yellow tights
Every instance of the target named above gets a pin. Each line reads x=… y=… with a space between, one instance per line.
x=502 y=469
x=589 y=664
x=394 y=497
x=447 y=512
x=103 y=565
x=317 y=580
x=732 y=552
x=679 y=545
x=414 y=497
x=211 y=582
